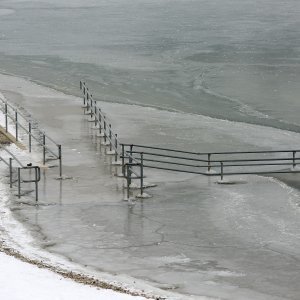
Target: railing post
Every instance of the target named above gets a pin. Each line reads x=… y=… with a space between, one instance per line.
x=110 y=142
x=142 y=173
x=10 y=172
x=294 y=159
x=208 y=162
x=36 y=185
x=95 y=104
x=130 y=162
x=128 y=180
x=80 y=84
x=6 y=122
x=29 y=135
x=100 y=120
x=123 y=160
x=104 y=128
x=60 y=160
x=92 y=111
x=116 y=148
x=17 y=124
x=19 y=182
x=222 y=170
x=44 y=149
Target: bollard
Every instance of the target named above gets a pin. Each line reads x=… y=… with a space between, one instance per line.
x=6 y=123
x=44 y=149
x=29 y=136
x=16 y=121
x=10 y=172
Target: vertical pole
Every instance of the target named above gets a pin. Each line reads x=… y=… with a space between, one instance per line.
x=60 y=160
x=10 y=172
x=294 y=159
x=19 y=182
x=142 y=173
x=92 y=111
x=130 y=162
x=36 y=185
x=123 y=160
x=44 y=149
x=208 y=162
x=116 y=148
x=95 y=103
x=222 y=171
x=6 y=117
x=17 y=124
x=110 y=142
x=29 y=136
x=87 y=100
x=128 y=181
x=104 y=128
x=100 y=119
x=80 y=84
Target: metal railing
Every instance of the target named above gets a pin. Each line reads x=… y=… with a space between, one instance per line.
x=134 y=158
x=20 y=121
x=98 y=117
x=20 y=168
x=210 y=163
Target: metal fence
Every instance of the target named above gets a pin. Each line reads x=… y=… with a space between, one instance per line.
x=50 y=149
x=134 y=158
x=11 y=161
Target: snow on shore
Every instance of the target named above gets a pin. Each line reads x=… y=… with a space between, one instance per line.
x=20 y=280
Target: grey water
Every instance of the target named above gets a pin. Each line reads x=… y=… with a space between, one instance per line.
x=229 y=59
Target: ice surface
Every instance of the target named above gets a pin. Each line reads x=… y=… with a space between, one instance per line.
x=193 y=237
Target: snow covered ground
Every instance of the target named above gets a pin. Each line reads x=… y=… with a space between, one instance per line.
x=20 y=280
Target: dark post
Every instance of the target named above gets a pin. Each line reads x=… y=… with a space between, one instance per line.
x=19 y=182
x=142 y=173
x=80 y=85
x=116 y=147
x=10 y=172
x=222 y=167
x=208 y=162
x=104 y=128
x=16 y=121
x=128 y=181
x=130 y=162
x=44 y=149
x=100 y=119
x=294 y=159
x=36 y=185
x=95 y=103
x=60 y=160
x=110 y=141
x=6 y=117
x=29 y=136
x=123 y=160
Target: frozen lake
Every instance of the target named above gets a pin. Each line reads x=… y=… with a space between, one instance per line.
x=196 y=61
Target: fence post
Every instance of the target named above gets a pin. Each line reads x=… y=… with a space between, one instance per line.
x=142 y=173
x=6 y=123
x=130 y=162
x=29 y=135
x=294 y=159
x=100 y=119
x=19 y=182
x=44 y=149
x=60 y=160
x=80 y=84
x=10 y=172
x=16 y=121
